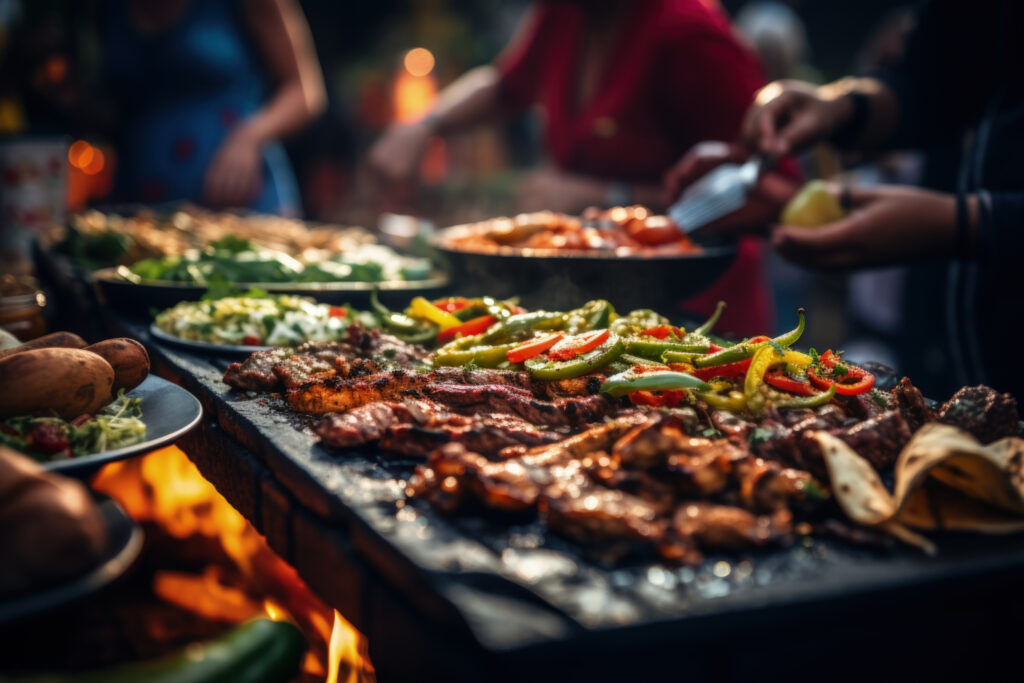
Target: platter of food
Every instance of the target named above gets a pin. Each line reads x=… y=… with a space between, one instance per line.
x=253 y=321
x=626 y=255
x=83 y=406
x=632 y=438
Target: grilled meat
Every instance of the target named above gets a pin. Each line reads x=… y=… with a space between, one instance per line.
x=569 y=411
x=574 y=506
x=726 y=527
x=337 y=394
x=364 y=351
x=650 y=443
x=416 y=427
x=912 y=405
x=453 y=473
x=702 y=469
x=983 y=412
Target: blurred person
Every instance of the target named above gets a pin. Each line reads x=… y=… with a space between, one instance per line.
x=204 y=93
x=972 y=94
x=624 y=89
x=779 y=37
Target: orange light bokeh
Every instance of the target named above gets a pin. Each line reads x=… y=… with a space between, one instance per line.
x=419 y=61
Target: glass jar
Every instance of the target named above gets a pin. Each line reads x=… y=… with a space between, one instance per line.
x=21 y=310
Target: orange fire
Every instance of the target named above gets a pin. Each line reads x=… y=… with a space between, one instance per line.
x=165 y=488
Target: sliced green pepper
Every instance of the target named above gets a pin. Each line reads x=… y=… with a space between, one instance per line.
x=484 y=356
x=634 y=321
x=637 y=360
x=657 y=380
x=710 y=324
x=541 y=367
x=518 y=327
x=650 y=347
x=593 y=315
x=808 y=401
x=680 y=357
x=745 y=350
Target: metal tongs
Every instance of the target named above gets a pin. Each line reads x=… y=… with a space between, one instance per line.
x=717 y=194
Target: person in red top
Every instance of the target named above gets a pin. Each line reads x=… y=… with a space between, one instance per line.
x=625 y=89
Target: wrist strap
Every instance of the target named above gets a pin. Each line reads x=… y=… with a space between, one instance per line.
x=849 y=133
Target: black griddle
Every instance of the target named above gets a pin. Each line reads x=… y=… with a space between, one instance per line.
x=472 y=598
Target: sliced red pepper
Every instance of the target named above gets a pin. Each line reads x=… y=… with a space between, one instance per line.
x=450 y=304
x=715 y=348
x=533 y=347
x=663 y=331
x=854 y=382
x=578 y=344
x=251 y=340
x=466 y=329
x=659 y=399
x=337 y=312
x=727 y=370
x=777 y=378
x=517 y=310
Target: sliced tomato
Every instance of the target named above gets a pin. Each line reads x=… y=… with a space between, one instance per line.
x=251 y=340
x=466 y=329
x=578 y=344
x=338 y=312
x=658 y=399
x=450 y=304
x=777 y=378
x=534 y=347
x=727 y=370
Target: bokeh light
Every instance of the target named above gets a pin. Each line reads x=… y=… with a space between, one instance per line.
x=419 y=61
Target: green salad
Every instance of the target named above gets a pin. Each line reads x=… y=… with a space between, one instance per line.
x=235 y=260
x=117 y=425
x=258 y=319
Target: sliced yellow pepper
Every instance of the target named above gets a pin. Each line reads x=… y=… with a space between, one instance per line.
x=421 y=308
x=734 y=402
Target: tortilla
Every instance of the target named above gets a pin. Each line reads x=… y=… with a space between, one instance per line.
x=944 y=480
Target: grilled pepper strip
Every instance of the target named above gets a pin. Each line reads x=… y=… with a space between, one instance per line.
x=484 y=356
x=656 y=380
x=421 y=308
x=734 y=402
x=541 y=367
x=649 y=347
x=745 y=350
x=679 y=356
x=519 y=326
x=593 y=315
x=764 y=358
x=710 y=324
x=812 y=401
x=637 y=360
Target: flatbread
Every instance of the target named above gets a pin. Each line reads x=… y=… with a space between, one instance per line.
x=944 y=480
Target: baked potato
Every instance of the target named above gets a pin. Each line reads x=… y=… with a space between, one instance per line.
x=62 y=382
x=127 y=357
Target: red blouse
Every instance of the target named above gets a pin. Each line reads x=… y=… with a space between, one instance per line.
x=677 y=77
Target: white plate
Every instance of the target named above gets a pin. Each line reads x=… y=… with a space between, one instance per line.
x=168 y=411
x=205 y=346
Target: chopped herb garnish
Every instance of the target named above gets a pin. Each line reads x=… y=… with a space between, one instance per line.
x=840 y=369
x=759 y=435
x=814 y=492
x=879 y=398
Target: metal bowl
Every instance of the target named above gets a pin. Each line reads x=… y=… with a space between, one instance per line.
x=138 y=298
x=545 y=278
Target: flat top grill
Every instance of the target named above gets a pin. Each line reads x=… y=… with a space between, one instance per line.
x=515 y=588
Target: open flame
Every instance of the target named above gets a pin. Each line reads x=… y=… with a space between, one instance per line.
x=165 y=488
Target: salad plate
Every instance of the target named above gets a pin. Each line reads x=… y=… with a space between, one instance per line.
x=168 y=411
x=205 y=346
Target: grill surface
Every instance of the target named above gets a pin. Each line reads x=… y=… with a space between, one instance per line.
x=523 y=597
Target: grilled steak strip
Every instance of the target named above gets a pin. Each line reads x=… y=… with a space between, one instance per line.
x=561 y=412
x=983 y=412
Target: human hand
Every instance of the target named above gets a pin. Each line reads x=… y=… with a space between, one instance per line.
x=554 y=190
x=887 y=224
x=789 y=115
x=235 y=174
x=395 y=157
x=764 y=202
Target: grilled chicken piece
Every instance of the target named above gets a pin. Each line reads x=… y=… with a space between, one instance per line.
x=724 y=527
x=767 y=486
x=703 y=471
x=453 y=473
x=576 y=507
x=608 y=471
x=598 y=438
x=650 y=443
